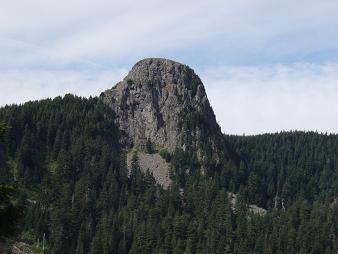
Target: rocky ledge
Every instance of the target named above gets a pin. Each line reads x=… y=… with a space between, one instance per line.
x=164 y=102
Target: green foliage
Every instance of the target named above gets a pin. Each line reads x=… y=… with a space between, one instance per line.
x=3 y=129
x=194 y=86
x=65 y=157
x=10 y=210
x=193 y=119
x=10 y=205
x=165 y=154
x=288 y=166
x=149 y=147
x=130 y=82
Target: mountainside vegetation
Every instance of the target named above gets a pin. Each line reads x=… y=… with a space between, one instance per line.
x=66 y=161
x=284 y=167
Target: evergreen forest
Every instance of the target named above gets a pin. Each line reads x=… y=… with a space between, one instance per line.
x=65 y=188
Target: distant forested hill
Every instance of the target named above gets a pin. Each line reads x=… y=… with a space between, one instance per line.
x=288 y=166
x=64 y=156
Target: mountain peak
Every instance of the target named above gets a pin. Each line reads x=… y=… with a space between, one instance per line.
x=160 y=70
x=165 y=102
x=156 y=61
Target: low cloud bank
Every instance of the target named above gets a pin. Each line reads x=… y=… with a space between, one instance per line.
x=254 y=100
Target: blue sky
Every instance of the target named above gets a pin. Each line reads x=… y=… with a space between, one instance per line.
x=267 y=65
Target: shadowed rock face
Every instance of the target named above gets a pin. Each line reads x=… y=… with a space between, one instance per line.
x=163 y=101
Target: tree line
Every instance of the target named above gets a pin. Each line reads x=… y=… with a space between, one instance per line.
x=77 y=194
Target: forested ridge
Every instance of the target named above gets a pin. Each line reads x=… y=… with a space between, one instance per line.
x=65 y=163
x=289 y=166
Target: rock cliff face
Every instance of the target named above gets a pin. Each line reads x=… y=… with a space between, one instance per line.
x=164 y=102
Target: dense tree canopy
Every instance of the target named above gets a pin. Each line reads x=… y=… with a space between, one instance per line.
x=289 y=166
x=65 y=157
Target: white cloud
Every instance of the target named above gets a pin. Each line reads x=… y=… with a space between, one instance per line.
x=124 y=31
x=255 y=100
x=22 y=86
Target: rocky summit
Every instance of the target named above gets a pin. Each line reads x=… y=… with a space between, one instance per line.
x=164 y=102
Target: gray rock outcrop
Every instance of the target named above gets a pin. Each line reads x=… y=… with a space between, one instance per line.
x=153 y=163
x=165 y=102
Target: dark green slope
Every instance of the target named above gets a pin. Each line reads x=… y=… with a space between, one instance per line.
x=289 y=166
x=65 y=158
